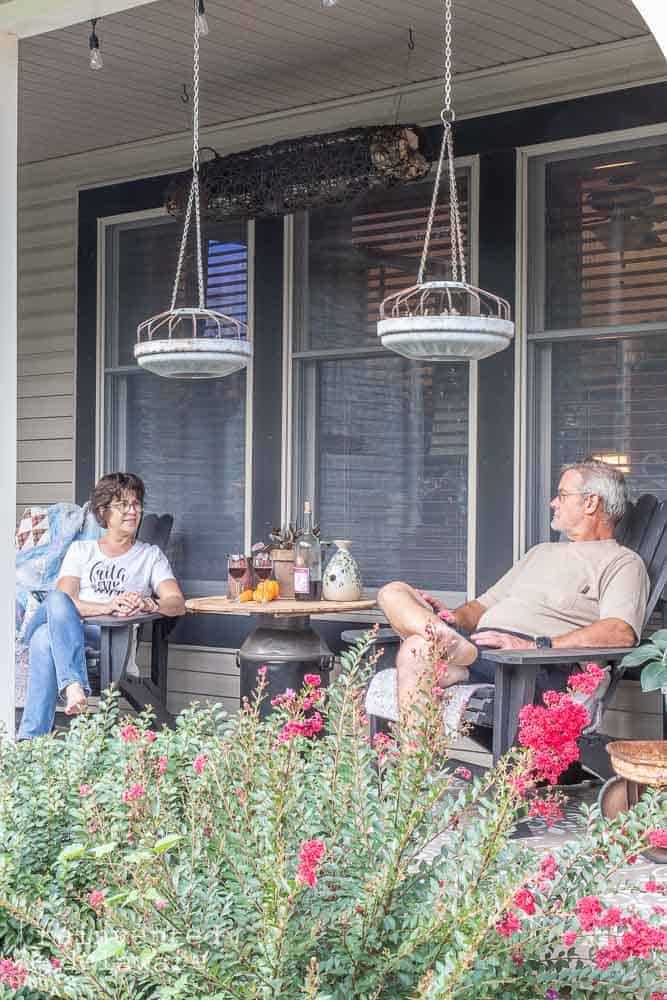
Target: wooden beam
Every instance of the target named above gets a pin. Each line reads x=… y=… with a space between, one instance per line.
x=8 y=366
x=34 y=17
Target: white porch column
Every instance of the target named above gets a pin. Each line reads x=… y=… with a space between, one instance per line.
x=8 y=367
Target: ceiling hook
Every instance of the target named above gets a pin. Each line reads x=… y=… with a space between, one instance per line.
x=185 y=97
x=411 y=40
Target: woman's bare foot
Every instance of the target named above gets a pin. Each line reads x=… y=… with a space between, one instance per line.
x=75 y=699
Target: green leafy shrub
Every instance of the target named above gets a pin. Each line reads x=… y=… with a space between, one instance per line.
x=240 y=858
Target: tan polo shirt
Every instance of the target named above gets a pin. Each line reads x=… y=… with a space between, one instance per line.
x=560 y=586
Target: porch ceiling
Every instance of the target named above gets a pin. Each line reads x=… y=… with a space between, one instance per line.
x=270 y=55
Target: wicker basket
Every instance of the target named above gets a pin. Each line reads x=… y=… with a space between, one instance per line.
x=641 y=761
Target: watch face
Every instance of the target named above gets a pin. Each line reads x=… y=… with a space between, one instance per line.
x=543 y=642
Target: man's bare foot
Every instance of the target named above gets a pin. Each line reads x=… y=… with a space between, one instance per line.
x=459 y=651
x=75 y=699
x=451 y=673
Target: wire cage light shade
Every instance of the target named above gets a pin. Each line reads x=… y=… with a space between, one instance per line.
x=192 y=342
x=445 y=320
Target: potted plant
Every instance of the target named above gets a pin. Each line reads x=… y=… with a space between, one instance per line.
x=281 y=548
x=652 y=655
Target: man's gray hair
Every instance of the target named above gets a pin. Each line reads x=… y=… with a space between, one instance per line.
x=607 y=482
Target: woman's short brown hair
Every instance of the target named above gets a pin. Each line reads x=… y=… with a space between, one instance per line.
x=112 y=487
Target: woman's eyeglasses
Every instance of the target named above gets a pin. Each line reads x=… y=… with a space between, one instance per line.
x=123 y=506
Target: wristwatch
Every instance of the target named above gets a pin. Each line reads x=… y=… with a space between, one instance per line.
x=543 y=642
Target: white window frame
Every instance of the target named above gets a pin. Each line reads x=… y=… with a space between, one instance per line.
x=288 y=492
x=128 y=220
x=579 y=146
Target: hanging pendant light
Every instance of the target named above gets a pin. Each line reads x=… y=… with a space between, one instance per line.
x=445 y=320
x=192 y=342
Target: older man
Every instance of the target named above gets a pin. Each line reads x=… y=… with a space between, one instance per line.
x=589 y=593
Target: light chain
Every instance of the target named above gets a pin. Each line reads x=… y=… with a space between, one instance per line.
x=193 y=197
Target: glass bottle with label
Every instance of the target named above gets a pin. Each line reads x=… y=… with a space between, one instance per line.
x=307 y=561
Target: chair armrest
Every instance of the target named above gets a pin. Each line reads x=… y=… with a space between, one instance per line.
x=116 y=621
x=555 y=656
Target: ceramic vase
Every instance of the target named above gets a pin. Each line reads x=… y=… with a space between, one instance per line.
x=341 y=580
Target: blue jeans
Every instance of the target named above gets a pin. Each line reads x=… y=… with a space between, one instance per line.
x=57 y=640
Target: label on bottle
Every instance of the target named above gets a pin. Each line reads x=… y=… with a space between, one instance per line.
x=301 y=580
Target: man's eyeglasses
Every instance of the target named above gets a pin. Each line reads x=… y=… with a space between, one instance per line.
x=126 y=505
x=562 y=494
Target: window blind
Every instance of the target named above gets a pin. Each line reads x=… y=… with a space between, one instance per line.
x=390 y=436
x=185 y=439
x=609 y=401
x=606 y=239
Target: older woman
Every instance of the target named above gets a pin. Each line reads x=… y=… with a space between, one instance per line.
x=116 y=575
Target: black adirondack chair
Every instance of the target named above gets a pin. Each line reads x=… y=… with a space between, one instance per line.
x=117 y=637
x=520 y=674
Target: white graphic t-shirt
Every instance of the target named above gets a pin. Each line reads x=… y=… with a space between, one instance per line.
x=141 y=569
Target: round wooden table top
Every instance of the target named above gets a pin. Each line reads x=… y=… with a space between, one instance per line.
x=283 y=607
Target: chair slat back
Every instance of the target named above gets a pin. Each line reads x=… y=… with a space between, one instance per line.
x=644 y=530
x=640 y=520
x=155 y=529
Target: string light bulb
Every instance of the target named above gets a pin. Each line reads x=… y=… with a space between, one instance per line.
x=96 y=60
x=328 y=3
x=202 y=19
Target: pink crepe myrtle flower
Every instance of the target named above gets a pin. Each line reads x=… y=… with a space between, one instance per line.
x=463 y=772
x=55 y=962
x=162 y=764
x=588 y=910
x=546 y=809
x=610 y=918
x=301 y=727
x=640 y=940
x=569 y=938
x=129 y=734
x=96 y=899
x=588 y=681
x=385 y=747
x=524 y=900
x=160 y=904
x=200 y=763
x=310 y=857
x=312 y=680
x=551 y=732
x=85 y=790
x=150 y=736
x=548 y=867
x=263 y=670
x=509 y=925
x=658 y=838
x=12 y=974
x=136 y=791
x=286 y=698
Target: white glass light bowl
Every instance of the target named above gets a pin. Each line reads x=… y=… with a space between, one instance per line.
x=445 y=321
x=192 y=344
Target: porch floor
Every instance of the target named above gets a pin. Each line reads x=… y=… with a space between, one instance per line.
x=628 y=891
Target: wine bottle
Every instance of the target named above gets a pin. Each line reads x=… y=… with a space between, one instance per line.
x=307 y=560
